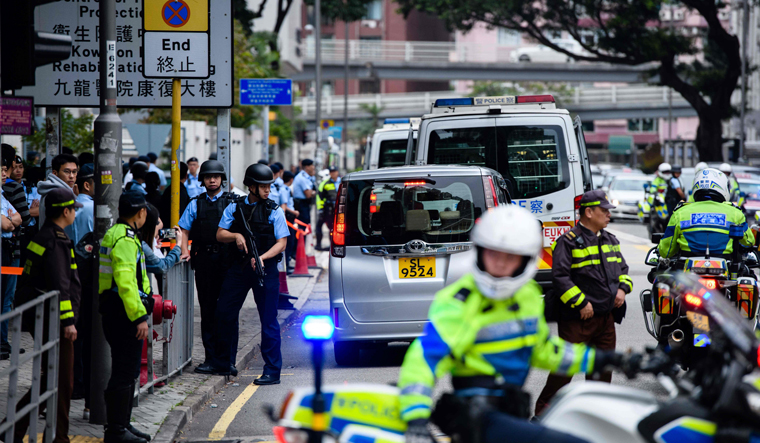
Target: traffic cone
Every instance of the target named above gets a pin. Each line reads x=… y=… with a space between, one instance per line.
x=311 y=261
x=285 y=299
x=302 y=268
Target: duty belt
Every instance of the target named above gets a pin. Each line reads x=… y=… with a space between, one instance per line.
x=210 y=249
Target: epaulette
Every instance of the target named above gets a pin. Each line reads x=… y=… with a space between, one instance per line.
x=462 y=294
x=61 y=234
x=570 y=235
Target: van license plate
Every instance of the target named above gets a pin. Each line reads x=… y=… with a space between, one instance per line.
x=422 y=267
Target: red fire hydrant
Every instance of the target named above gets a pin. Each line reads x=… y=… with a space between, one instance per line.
x=162 y=310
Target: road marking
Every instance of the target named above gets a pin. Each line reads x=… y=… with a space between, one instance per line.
x=642 y=247
x=220 y=429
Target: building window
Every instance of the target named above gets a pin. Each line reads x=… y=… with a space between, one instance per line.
x=374 y=10
x=509 y=37
x=369 y=87
x=642 y=125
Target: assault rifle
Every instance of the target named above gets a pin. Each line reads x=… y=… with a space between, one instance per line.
x=253 y=253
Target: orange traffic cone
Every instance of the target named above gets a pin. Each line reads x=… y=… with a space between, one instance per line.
x=311 y=261
x=302 y=268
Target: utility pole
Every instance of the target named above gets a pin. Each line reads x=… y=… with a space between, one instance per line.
x=107 y=191
x=224 y=143
x=745 y=43
x=318 y=80
x=670 y=100
x=265 y=130
x=344 y=140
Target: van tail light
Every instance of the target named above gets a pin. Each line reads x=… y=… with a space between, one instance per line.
x=491 y=200
x=338 y=234
x=577 y=207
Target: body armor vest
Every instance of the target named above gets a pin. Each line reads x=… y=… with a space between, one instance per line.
x=258 y=220
x=209 y=213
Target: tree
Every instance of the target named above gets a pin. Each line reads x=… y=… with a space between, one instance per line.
x=560 y=91
x=343 y=10
x=365 y=128
x=623 y=32
x=77 y=134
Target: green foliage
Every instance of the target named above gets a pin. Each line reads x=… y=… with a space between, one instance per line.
x=78 y=133
x=366 y=127
x=560 y=91
x=243 y=15
x=346 y=11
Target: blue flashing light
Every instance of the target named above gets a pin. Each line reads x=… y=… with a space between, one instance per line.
x=396 y=121
x=707 y=296
x=453 y=102
x=317 y=327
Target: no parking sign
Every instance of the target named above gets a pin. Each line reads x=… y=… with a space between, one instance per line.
x=176 y=39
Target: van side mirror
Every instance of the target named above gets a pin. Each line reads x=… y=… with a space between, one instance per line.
x=656 y=237
x=653 y=257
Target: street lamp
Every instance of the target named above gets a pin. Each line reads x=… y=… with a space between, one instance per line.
x=317 y=329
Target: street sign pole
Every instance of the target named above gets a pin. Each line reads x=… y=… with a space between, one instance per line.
x=107 y=191
x=318 y=71
x=265 y=129
x=52 y=136
x=224 y=144
x=176 y=134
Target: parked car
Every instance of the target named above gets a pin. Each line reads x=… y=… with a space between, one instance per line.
x=625 y=192
x=545 y=54
x=401 y=235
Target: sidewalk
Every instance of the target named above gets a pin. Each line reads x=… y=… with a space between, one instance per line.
x=165 y=412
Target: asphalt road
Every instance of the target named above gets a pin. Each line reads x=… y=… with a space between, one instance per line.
x=236 y=413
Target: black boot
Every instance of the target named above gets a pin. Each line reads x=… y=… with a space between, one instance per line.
x=118 y=407
x=131 y=428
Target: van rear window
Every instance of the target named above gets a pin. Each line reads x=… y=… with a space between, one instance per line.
x=392 y=153
x=396 y=212
x=533 y=158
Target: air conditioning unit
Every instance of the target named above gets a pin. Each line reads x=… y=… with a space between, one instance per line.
x=664 y=15
x=369 y=24
x=678 y=14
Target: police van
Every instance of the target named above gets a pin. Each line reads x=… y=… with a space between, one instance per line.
x=538 y=149
x=388 y=145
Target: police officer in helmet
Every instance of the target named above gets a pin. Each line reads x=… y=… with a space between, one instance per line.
x=199 y=222
x=270 y=231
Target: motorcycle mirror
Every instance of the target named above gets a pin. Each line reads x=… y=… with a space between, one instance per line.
x=653 y=257
x=751 y=260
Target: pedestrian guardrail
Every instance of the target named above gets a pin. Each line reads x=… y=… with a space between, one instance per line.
x=44 y=360
x=175 y=335
x=403 y=51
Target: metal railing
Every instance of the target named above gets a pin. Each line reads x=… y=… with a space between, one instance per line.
x=403 y=51
x=176 y=350
x=420 y=102
x=45 y=350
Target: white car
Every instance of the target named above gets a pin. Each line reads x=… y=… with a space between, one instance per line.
x=624 y=192
x=545 y=54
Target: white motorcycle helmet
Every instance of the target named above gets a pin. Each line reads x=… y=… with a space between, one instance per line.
x=664 y=170
x=726 y=168
x=710 y=184
x=510 y=229
x=700 y=166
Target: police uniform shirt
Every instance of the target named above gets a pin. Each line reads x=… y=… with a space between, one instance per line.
x=135 y=186
x=276 y=218
x=6 y=206
x=301 y=183
x=85 y=218
x=279 y=196
x=31 y=196
x=193 y=186
x=675 y=183
x=191 y=212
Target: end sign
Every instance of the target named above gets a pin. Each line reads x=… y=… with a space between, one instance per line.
x=176 y=39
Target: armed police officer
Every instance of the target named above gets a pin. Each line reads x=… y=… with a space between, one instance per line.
x=590 y=282
x=487 y=329
x=327 y=192
x=125 y=301
x=709 y=223
x=208 y=256
x=269 y=235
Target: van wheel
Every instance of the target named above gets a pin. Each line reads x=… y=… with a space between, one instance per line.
x=347 y=353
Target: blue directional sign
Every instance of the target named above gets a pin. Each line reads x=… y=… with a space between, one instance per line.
x=266 y=91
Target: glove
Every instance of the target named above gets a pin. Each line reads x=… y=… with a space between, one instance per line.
x=417 y=432
x=607 y=360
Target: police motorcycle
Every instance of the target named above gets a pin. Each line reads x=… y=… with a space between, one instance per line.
x=668 y=321
x=658 y=213
x=718 y=401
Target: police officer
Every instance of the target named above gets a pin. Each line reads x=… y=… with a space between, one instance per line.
x=327 y=192
x=496 y=307
x=733 y=184
x=674 y=193
x=139 y=171
x=590 y=278
x=124 y=290
x=303 y=190
x=199 y=222
x=709 y=222
x=50 y=266
x=267 y=222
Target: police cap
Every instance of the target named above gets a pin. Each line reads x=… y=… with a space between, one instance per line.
x=86 y=171
x=61 y=198
x=130 y=202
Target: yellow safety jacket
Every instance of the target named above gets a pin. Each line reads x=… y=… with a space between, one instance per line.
x=472 y=335
x=122 y=271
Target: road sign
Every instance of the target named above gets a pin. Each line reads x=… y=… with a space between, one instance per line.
x=176 y=15
x=266 y=91
x=335 y=132
x=176 y=39
x=75 y=82
x=620 y=144
x=327 y=123
x=16 y=115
